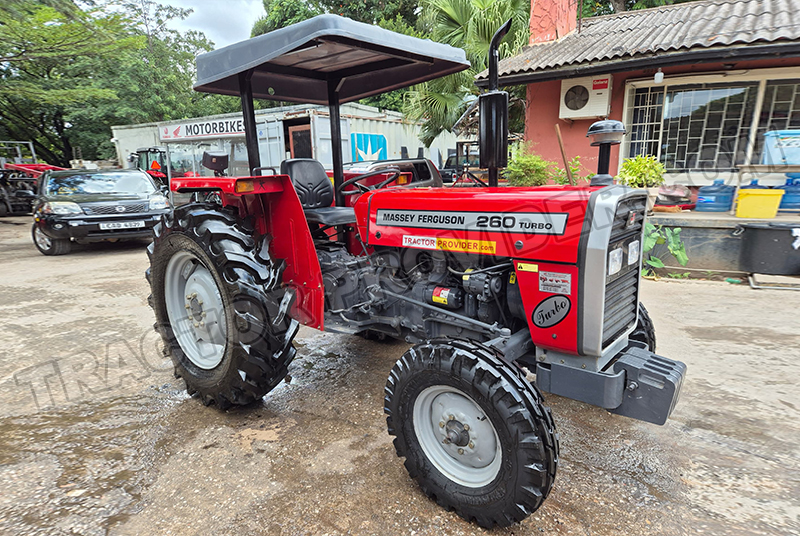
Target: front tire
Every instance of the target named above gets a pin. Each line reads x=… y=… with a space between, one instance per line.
x=645 y=330
x=475 y=434
x=49 y=246
x=215 y=293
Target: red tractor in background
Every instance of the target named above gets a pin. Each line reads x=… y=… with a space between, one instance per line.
x=153 y=161
x=484 y=282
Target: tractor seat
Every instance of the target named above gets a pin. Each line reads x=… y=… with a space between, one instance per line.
x=314 y=188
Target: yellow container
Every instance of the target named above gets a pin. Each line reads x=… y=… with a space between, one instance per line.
x=758 y=203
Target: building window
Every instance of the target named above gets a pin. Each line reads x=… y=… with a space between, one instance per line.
x=780 y=111
x=706 y=126
x=702 y=127
x=645 y=120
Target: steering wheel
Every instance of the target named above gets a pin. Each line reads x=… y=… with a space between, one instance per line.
x=362 y=188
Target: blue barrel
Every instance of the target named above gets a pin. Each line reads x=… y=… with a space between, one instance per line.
x=754 y=186
x=791 y=196
x=715 y=198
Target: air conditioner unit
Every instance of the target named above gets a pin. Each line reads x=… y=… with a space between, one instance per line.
x=585 y=98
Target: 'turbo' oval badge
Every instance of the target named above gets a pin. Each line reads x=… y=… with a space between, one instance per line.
x=551 y=311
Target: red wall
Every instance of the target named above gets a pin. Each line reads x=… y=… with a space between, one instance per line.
x=541 y=115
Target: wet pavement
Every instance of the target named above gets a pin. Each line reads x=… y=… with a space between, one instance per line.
x=96 y=437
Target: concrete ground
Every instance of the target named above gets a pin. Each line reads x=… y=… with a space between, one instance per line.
x=96 y=437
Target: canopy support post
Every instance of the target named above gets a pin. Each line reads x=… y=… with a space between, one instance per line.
x=249 y=113
x=336 y=140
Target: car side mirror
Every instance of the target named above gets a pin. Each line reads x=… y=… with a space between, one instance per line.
x=164 y=189
x=25 y=194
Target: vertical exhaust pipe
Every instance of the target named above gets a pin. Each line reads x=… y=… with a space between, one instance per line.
x=493 y=106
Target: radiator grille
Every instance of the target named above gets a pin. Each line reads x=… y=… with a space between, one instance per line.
x=111 y=208
x=622 y=289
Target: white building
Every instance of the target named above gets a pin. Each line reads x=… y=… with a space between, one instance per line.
x=301 y=131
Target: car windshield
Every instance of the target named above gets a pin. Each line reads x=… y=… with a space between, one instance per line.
x=474 y=161
x=100 y=183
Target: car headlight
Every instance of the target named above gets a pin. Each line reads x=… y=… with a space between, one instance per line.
x=61 y=207
x=158 y=202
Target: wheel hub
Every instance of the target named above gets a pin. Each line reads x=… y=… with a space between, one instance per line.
x=456 y=433
x=457 y=436
x=196 y=310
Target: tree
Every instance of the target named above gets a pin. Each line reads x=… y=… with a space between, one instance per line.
x=67 y=75
x=43 y=58
x=282 y=13
x=594 y=8
x=467 y=24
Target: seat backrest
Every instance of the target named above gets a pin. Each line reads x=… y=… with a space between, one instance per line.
x=312 y=184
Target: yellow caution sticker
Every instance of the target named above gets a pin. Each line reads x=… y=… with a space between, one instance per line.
x=465 y=277
x=527 y=267
x=512 y=278
x=468 y=246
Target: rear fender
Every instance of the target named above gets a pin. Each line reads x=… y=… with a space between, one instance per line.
x=276 y=211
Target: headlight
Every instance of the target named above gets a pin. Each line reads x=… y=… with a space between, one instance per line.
x=158 y=202
x=61 y=207
x=615 y=261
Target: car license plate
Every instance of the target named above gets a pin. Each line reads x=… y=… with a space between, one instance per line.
x=121 y=225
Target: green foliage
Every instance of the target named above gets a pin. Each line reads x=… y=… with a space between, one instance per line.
x=467 y=24
x=595 y=8
x=642 y=171
x=67 y=74
x=579 y=173
x=526 y=168
x=657 y=234
x=282 y=13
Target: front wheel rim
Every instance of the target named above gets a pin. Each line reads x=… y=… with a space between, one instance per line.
x=42 y=240
x=195 y=310
x=457 y=436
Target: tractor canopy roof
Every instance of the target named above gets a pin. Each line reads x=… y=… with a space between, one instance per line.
x=297 y=63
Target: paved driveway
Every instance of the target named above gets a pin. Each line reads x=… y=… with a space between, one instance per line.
x=96 y=437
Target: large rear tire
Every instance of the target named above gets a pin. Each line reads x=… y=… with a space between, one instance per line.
x=475 y=434
x=216 y=295
x=644 y=331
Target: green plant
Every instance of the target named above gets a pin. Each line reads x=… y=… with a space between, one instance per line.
x=579 y=173
x=678 y=275
x=526 y=168
x=642 y=171
x=671 y=236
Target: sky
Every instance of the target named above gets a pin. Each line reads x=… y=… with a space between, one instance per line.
x=223 y=21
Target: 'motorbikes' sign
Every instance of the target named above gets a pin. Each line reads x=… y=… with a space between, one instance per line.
x=194 y=130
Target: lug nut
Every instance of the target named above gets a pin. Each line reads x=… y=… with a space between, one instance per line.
x=203 y=314
x=196 y=325
x=466 y=427
x=441 y=424
x=461 y=451
x=202 y=324
x=471 y=445
x=452 y=418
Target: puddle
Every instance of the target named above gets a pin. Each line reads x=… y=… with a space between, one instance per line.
x=75 y=470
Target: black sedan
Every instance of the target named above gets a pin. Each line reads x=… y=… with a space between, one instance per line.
x=90 y=206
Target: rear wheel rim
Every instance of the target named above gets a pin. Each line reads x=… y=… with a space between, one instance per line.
x=42 y=240
x=457 y=436
x=195 y=310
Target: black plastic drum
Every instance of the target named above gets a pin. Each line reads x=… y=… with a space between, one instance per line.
x=770 y=248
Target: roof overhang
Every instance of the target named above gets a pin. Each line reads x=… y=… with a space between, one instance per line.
x=701 y=55
x=298 y=63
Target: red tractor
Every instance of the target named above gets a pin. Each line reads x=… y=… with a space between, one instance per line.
x=484 y=282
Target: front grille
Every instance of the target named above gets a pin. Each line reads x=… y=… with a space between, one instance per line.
x=111 y=208
x=622 y=289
